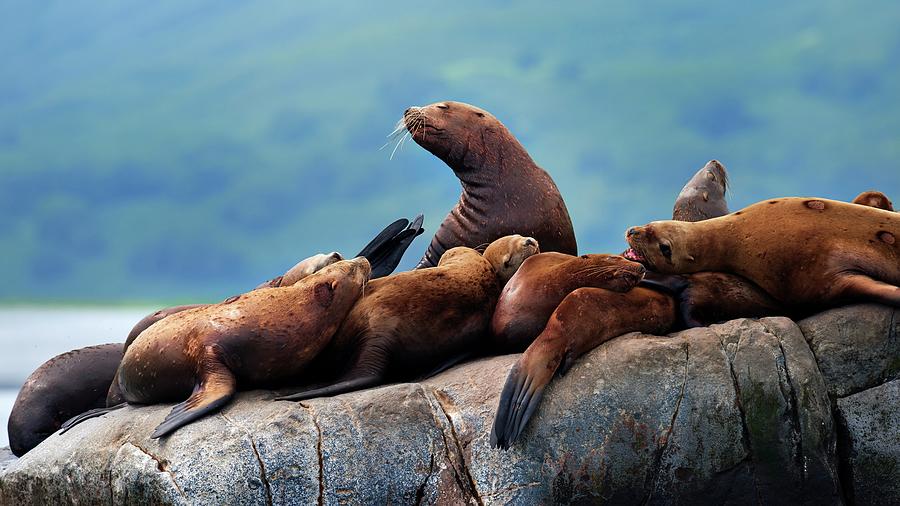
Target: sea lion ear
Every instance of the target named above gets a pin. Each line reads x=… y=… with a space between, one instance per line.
x=690 y=258
x=324 y=293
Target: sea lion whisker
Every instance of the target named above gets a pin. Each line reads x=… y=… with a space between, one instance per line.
x=398 y=145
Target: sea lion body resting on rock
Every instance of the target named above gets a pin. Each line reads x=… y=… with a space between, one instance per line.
x=257 y=339
x=504 y=191
x=59 y=389
x=543 y=281
x=413 y=323
x=807 y=253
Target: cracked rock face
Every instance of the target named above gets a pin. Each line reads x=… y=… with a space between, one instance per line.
x=748 y=411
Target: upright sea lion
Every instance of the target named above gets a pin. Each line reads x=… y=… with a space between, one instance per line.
x=806 y=253
x=543 y=281
x=59 y=389
x=703 y=196
x=413 y=323
x=874 y=198
x=260 y=338
x=503 y=191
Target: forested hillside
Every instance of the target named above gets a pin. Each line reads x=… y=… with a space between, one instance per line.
x=170 y=151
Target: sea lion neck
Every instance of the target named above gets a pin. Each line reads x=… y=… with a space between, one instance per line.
x=489 y=163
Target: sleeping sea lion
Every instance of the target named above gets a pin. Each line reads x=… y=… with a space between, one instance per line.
x=417 y=322
x=260 y=338
x=807 y=253
x=503 y=191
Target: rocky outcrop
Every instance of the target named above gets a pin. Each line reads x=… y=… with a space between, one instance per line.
x=749 y=411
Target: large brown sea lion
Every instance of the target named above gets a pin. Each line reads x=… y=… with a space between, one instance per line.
x=414 y=323
x=260 y=338
x=503 y=191
x=807 y=253
x=874 y=198
x=543 y=281
x=59 y=389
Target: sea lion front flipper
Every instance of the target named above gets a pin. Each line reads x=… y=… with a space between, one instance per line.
x=215 y=388
x=521 y=395
x=335 y=389
x=87 y=415
x=862 y=287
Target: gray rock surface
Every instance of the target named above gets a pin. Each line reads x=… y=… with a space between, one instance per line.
x=736 y=413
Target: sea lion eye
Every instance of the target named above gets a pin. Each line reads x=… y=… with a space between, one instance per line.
x=479 y=114
x=666 y=250
x=443 y=106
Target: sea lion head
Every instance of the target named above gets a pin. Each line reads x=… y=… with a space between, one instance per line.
x=465 y=137
x=612 y=272
x=703 y=197
x=875 y=199
x=661 y=246
x=302 y=269
x=340 y=284
x=507 y=253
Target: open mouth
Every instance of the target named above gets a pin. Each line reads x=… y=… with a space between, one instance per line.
x=633 y=255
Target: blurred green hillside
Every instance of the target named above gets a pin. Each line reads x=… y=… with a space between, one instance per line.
x=189 y=150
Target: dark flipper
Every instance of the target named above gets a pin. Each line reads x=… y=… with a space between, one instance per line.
x=521 y=395
x=368 y=370
x=87 y=415
x=216 y=387
x=335 y=389
x=384 y=236
x=385 y=251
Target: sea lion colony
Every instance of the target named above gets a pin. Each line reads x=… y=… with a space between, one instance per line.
x=500 y=275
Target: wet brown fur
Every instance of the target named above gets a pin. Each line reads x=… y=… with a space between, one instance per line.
x=503 y=191
x=807 y=253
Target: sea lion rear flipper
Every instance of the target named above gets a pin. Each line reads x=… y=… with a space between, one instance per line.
x=862 y=287
x=87 y=415
x=384 y=236
x=384 y=253
x=215 y=388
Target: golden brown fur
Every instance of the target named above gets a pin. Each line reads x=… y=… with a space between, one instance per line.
x=412 y=323
x=804 y=252
x=543 y=281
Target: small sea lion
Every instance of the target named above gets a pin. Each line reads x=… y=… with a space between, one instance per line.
x=260 y=338
x=807 y=253
x=543 y=281
x=874 y=198
x=59 y=389
x=585 y=319
x=416 y=322
x=503 y=191
x=703 y=196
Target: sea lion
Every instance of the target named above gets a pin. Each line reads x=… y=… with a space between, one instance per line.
x=874 y=198
x=543 y=281
x=59 y=389
x=586 y=318
x=703 y=196
x=416 y=322
x=503 y=191
x=260 y=338
x=807 y=253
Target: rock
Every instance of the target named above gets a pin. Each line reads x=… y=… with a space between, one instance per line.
x=6 y=458
x=731 y=414
x=869 y=431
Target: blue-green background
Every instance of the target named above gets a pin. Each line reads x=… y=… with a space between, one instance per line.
x=177 y=151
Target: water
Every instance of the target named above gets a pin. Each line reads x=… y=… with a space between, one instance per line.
x=29 y=336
